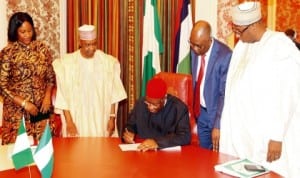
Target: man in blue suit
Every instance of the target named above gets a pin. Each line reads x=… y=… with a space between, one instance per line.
x=212 y=87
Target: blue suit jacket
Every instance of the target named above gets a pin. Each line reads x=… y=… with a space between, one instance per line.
x=215 y=81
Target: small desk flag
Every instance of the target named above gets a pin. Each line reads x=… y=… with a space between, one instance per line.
x=22 y=154
x=43 y=155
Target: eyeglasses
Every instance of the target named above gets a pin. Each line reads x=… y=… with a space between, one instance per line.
x=154 y=105
x=240 y=32
x=194 y=45
x=88 y=44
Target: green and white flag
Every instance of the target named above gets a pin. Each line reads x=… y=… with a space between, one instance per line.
x=43 y=155
x=22 y=154
x=182 y=56
x=152 y=43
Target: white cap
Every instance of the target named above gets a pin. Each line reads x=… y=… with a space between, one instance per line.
x=246 y=13
x=87 y=32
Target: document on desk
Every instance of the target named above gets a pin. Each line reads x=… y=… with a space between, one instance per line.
x=172 y=148
x=129 y=147
x=134 y=147
x=237 y=168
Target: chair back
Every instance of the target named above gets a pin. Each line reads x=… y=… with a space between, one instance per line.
x=181 y=86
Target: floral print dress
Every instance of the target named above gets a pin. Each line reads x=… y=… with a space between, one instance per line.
x=26 y=71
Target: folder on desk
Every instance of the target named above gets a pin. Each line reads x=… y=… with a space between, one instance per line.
x=237 y=168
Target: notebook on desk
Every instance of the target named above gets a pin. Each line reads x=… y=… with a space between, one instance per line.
x=241 y=168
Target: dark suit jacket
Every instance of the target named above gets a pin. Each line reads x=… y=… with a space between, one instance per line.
x=215 y=81
x=168 y=127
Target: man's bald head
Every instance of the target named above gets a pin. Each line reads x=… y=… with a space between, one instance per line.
x=200 y=37
x=201 y=29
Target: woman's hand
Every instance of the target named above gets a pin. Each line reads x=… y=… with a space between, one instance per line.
x=31 y=108
x=46 y=105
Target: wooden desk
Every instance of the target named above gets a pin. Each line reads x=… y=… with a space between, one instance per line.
x=102 y=158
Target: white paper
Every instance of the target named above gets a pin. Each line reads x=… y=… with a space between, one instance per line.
x=134 y=147
x=129 y=147
x=173 y=148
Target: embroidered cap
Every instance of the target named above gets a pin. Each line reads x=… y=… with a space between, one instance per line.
x=156 y=88
x=87 y=32
x=246 y=13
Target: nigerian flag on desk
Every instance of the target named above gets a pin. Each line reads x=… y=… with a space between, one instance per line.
x=152 y=43
x=43 y=155
x=22 y=154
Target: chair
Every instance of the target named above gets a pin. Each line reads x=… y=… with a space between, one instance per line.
x=181 y=86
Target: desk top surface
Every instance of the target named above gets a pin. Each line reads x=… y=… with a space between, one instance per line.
x=102 y=157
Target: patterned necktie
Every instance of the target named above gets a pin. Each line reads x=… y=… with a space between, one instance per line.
x=197 y=88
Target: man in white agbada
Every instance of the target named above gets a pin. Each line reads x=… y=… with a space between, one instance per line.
x=89 y=88
x=261 y=114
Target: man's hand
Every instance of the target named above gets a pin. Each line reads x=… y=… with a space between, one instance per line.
x=274 y=150
x=148 y=144
x=71 y=130
x=215 y=138
x=111 y=126
x=128 y=136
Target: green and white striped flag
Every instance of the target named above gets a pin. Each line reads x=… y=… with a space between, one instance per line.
x=152 y=43
x=22 y=154
x=182 y=56
x=43 y=155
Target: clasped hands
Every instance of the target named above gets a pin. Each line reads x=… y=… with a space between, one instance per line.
x=148 y=144
x=33 y=109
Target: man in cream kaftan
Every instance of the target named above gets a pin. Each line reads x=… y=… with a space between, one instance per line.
x=262 y=100
x=88 y=88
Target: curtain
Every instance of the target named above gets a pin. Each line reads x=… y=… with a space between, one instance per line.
x=103 y=14
x=287 y=16
x=119 y=28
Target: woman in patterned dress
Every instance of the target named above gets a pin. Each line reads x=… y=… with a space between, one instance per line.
x=26 y=79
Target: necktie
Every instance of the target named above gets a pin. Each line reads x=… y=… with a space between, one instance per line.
x=197 y=88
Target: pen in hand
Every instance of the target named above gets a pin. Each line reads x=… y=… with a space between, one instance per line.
x=128 y=136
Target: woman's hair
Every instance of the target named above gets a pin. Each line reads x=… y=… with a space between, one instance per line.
x=15 y=21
